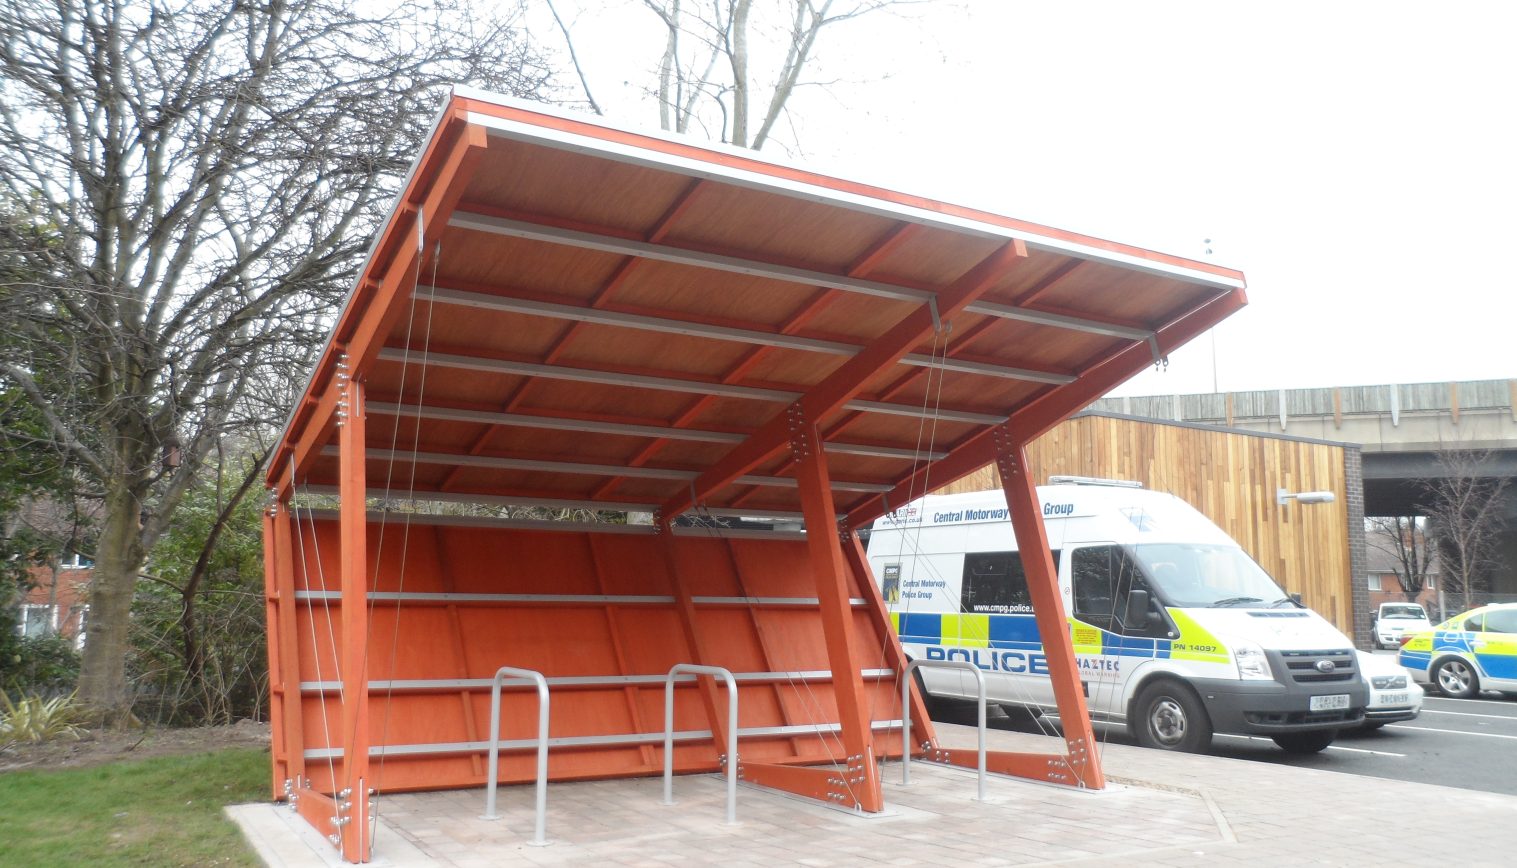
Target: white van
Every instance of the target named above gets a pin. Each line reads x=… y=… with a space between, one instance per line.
x=1177 y=632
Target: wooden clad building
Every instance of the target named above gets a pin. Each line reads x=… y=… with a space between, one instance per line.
x=1233 y=477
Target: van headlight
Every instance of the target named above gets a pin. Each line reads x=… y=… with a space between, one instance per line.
x=1252 y=664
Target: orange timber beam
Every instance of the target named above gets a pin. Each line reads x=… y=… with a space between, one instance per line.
x=430 y=199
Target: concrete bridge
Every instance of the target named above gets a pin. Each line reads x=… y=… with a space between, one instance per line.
x=1403 y=431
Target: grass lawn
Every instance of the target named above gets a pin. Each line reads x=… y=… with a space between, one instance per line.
x=164 y=811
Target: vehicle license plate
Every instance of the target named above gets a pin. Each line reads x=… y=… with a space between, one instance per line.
x=1329 y=703
x=1394 y=698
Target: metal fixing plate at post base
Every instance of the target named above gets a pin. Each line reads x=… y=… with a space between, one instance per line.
x=829 y=785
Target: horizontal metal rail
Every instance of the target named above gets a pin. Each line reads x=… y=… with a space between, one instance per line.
x=590 y=741
x=539 y=838
x=560 y=599
x=669 y=323
x=585 y=681
x=671 y=383
x=730 y=757
x=912 y=666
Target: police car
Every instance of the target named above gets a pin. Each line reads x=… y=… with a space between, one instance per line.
x=1467 y=653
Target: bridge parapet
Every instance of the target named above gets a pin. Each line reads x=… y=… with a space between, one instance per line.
x=1407 y=417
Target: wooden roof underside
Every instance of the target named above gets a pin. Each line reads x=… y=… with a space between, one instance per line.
x=559 y=311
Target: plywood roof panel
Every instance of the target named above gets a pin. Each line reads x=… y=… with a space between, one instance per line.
x=606 y=277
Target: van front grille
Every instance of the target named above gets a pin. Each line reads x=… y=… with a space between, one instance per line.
x=1304 y=667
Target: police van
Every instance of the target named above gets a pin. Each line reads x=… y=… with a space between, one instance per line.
x=1177 y=632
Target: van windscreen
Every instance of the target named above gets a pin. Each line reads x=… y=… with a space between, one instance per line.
x=1408 y=611
x=1197 y=575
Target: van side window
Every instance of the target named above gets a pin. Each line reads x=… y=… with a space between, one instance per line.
x=1103 y=575
x=995 y=583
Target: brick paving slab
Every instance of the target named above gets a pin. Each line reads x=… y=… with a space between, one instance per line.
x=1162 y=809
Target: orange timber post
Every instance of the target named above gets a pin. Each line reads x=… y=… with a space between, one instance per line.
x=1082 y=761
x=284 y=653
x=353 y=798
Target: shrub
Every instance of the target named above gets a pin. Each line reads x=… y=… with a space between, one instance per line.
x=35 y=719
x=38 y=664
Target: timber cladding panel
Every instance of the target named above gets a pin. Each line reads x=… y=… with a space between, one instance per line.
x=1231 y=477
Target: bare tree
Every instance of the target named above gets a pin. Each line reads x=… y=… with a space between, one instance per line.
x=731 y=66
x=205 y=174
x=1465 y=518
x=1404 y=539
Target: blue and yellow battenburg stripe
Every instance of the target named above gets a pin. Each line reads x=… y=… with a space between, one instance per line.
x=1020 y=633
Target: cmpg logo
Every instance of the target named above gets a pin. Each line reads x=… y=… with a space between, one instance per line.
x=1058 y=509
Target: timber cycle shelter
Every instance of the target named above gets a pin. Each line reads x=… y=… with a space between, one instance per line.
x=565 y=318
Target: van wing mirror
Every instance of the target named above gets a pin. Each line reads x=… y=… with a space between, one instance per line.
x=1137 y=609
x=1296 y=598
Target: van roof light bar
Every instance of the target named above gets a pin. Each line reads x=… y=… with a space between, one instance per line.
x=1094 y=480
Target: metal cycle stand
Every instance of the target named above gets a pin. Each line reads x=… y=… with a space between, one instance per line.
x=539 y=838
x=714 y=671
x=911 y=667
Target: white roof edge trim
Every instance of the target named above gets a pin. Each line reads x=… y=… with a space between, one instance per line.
x=700 y=168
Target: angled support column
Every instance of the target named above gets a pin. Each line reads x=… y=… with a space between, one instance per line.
x=830 y=569
x=714 y=703
x=1083 y=764
x=353 y=798
x=922 y=733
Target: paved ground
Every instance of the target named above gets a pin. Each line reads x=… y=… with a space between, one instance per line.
x=1165 y=809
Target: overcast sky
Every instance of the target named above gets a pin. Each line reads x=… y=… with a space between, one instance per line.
x=1356 y=160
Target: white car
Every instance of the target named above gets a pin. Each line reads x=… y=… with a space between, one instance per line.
x=1393 y=694
x=1395 y=620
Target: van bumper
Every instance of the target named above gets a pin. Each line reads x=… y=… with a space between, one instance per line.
x=1272 y=708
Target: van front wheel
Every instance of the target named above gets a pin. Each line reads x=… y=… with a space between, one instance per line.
x=1170 y=717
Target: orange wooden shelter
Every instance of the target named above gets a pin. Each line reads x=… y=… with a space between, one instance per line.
x=561 y=315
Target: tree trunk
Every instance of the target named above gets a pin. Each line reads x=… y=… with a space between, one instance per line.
x=740 y=83
x=118 y=559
